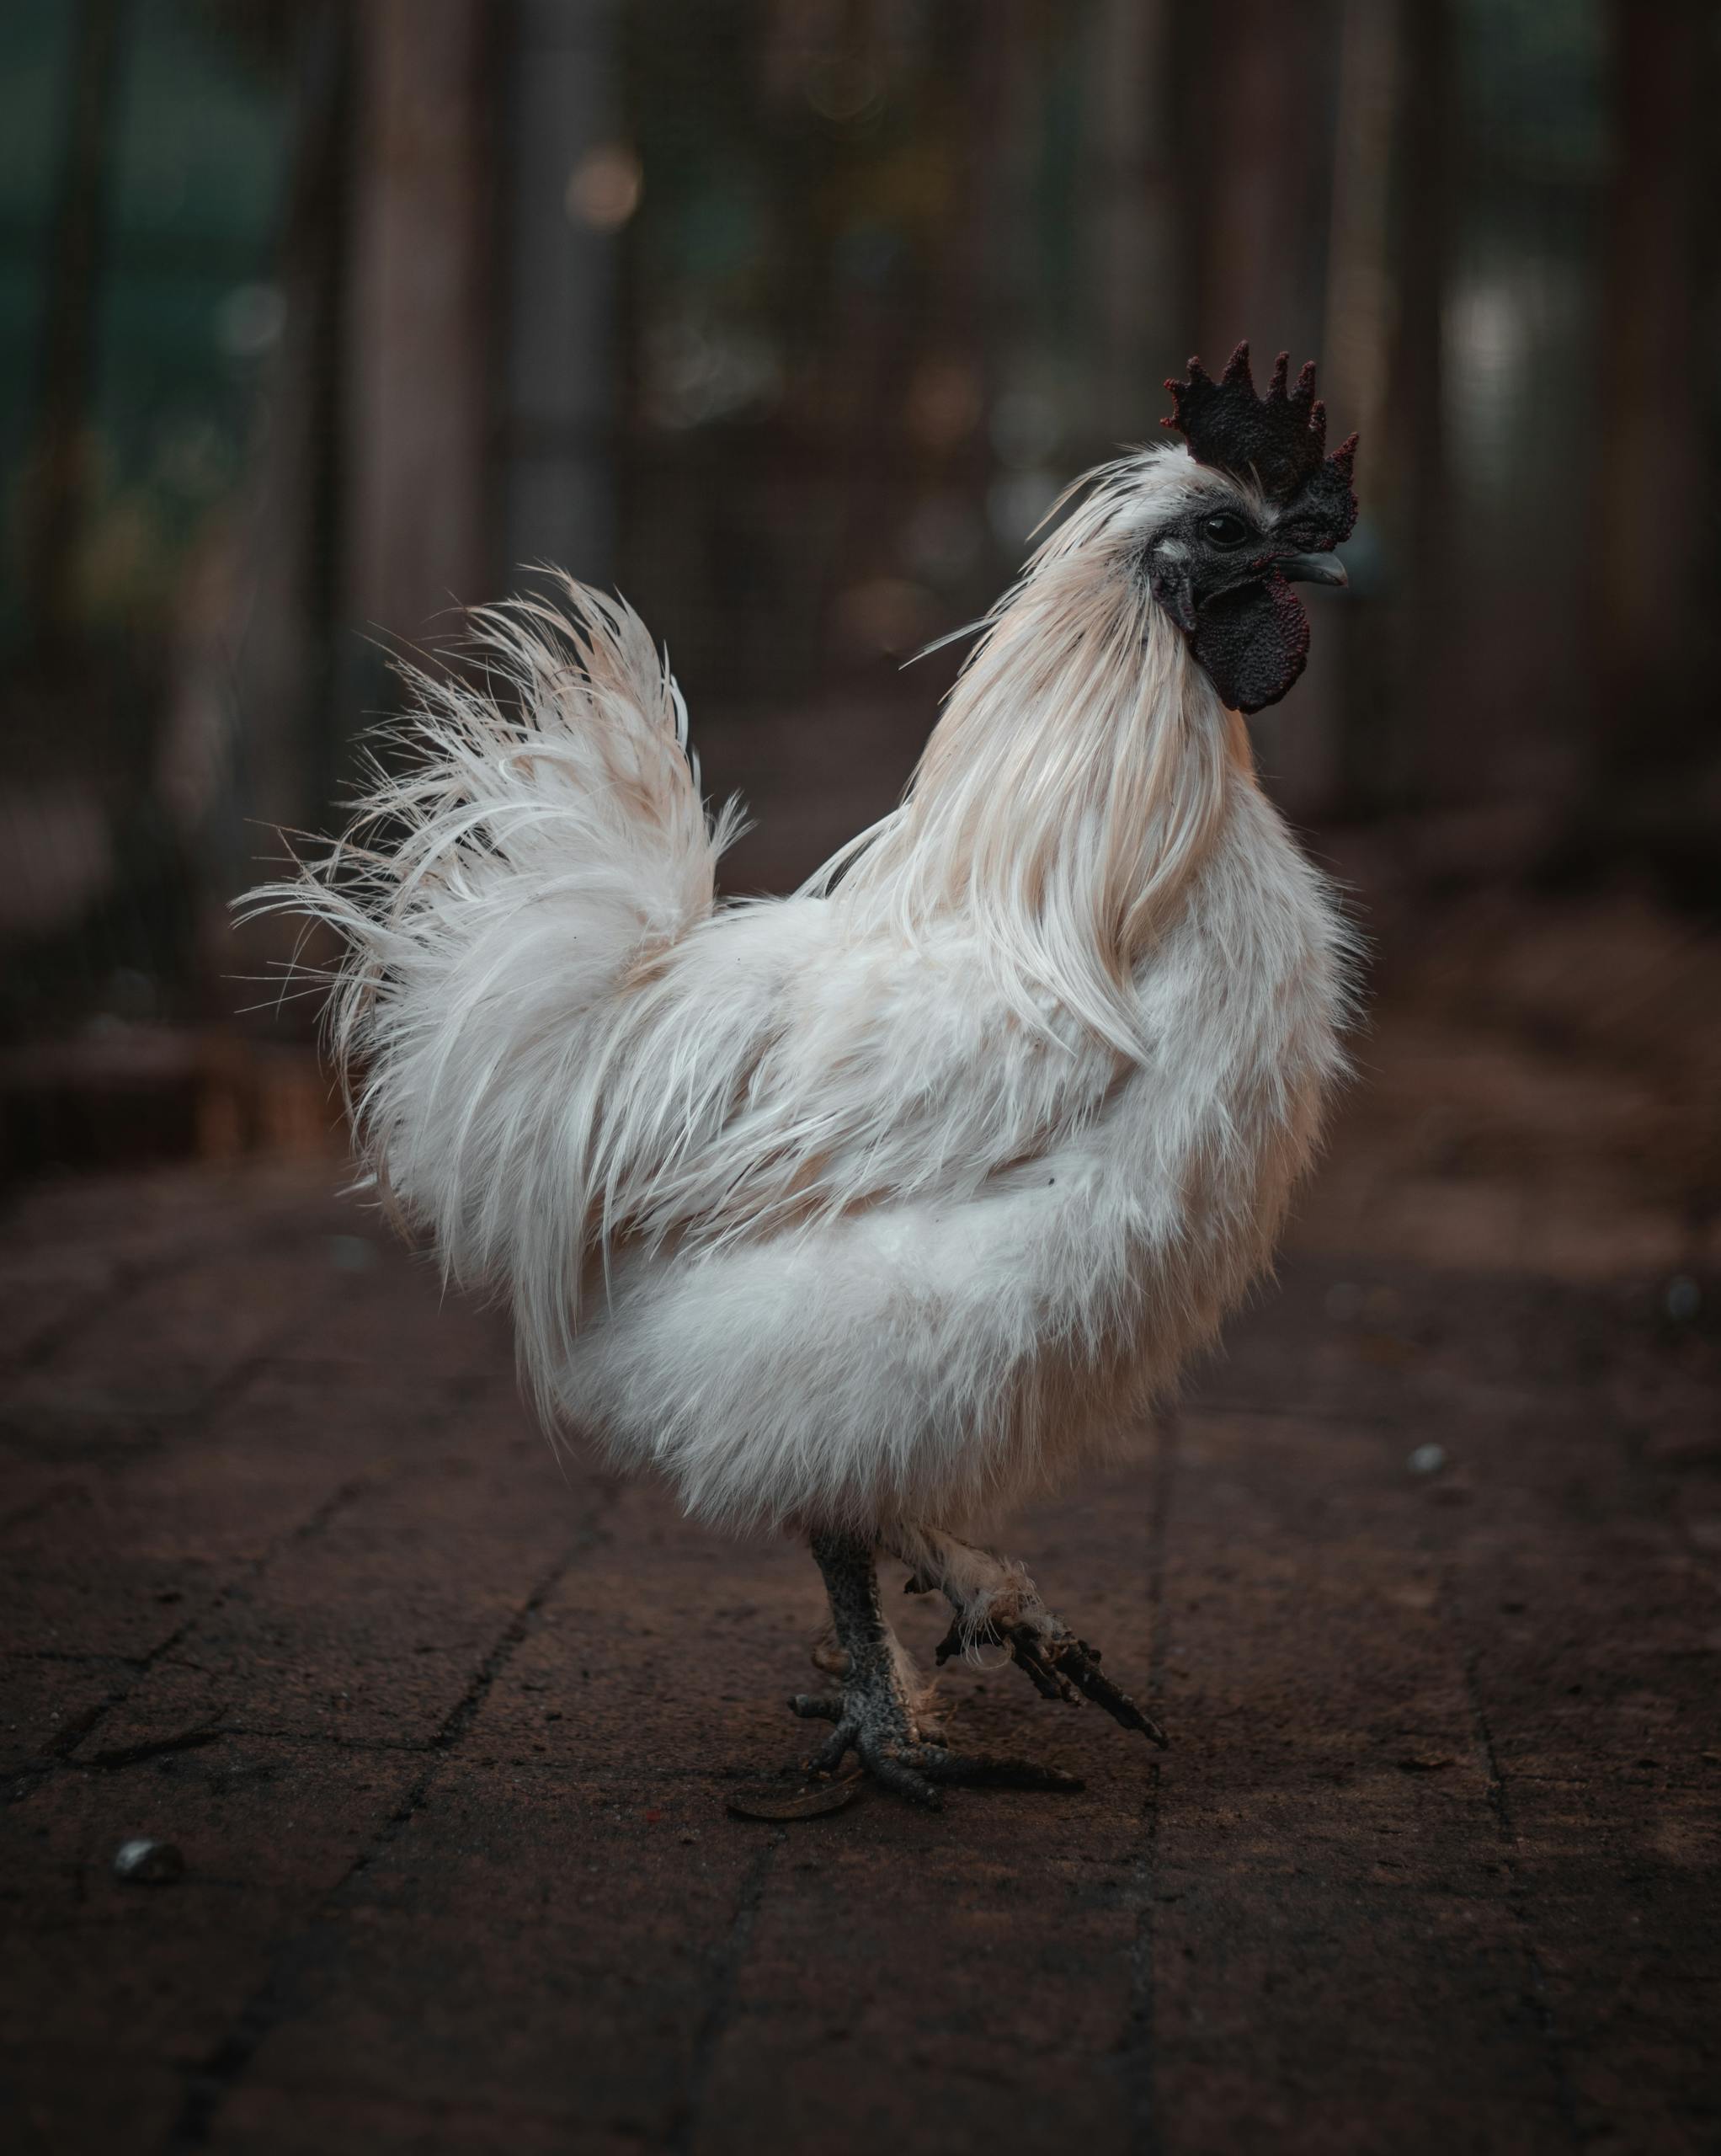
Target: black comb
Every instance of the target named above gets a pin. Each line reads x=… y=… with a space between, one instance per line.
x=1278 y=441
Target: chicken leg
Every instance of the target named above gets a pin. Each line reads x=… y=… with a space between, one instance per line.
x=993 y=1603
x=881 y=1713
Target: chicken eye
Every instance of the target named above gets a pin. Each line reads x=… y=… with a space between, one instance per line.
x=1224 y=528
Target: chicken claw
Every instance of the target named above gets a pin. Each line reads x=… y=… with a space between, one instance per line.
x=995 y=1605
x=1059 y=1668
x=914 y=1769
x=1070 y=1667
x=880 y=1714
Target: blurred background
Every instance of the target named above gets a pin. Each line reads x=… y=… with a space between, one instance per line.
x=319 y=319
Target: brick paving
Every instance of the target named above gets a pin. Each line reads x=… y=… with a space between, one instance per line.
x=443 y=1726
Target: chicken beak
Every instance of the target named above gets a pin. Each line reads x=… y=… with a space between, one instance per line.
x=1312 y=569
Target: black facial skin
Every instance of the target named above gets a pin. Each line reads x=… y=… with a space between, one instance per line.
x=1226 y=584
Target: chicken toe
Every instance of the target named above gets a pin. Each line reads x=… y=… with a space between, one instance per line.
x=881 y=1713
x=995 y=1604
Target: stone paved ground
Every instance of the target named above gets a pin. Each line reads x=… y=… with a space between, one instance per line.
x=443 y=1729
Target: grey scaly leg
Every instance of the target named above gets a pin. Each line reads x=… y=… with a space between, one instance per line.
x=876 y=1714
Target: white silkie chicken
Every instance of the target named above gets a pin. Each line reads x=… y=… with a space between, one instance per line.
x=868 y=1211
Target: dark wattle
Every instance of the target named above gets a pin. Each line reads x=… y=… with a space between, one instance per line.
x=1253 y=642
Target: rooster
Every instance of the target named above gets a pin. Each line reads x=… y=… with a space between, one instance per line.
x=870 y=1211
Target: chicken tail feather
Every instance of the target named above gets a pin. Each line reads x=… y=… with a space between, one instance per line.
x=543 y=838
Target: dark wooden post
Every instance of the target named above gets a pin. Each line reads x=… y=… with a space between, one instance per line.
x=565 y=198
x=1653 y=557
x=1256 y=150
x=57 y=481
x=1409 y=466
x=1259 y=203
x=1131 y=206
x=417 y=331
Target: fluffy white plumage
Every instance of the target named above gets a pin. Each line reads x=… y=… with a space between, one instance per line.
x=885 y=1203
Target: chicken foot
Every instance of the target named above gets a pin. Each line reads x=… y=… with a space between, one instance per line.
x=881 y=1713
x=994 y=1604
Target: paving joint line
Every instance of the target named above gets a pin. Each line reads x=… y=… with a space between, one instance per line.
x=58 y=1758
x=25 y=1514
x=721 y=2008
x=1517 y=1901
x=317 y=1944
x=159 y=1429
x=128 y=1276
x=1139 y=2062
